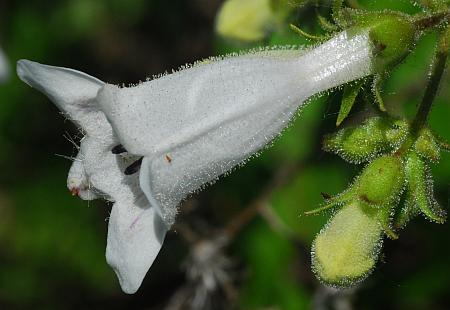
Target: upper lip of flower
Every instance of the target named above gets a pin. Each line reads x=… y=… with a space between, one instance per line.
x=190 y=127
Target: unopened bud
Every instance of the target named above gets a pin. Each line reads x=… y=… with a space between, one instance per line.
x=382 y=181
x=362 y=143
x=346 y=250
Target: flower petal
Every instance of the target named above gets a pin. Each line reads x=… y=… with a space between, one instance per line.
x=72 y=91
x=135 y=236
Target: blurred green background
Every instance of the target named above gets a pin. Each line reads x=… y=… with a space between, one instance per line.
x=52 y=244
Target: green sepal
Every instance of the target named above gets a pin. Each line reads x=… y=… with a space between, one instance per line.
x=351 y=91
x=325 y=24
x=336 y=10
x=334 y=202
x=419 y=195
x=385 y=219
x=393 y=35
x=427 y=146
x=376 y=89
x=397 y=133
x=309 y=36
x=345 y=17
x=407 y=212
x=375 y=136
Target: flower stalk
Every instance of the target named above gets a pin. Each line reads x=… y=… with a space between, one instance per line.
x=437 y=71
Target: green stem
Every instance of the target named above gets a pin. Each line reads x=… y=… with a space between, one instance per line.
x=437 y=71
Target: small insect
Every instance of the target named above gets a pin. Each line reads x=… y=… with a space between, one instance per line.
x=168 y=158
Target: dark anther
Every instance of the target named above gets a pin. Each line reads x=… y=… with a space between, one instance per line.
x=118 y=149
x=134 y=167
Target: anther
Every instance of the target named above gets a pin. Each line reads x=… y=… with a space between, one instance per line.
x=75 y=191
x=134 y=167
x=118 y=149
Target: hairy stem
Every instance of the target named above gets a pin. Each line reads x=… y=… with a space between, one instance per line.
x=437 y=71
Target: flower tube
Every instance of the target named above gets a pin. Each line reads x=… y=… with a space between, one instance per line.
x=213 y=116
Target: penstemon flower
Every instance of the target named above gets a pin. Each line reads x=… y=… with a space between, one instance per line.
x=182 y=131
x=4 y=67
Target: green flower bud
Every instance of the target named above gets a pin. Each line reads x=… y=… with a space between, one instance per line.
x=346 y=250
x=375 y=136
x=381 y=182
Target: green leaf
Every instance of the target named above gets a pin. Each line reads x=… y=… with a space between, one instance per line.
x=351 y=91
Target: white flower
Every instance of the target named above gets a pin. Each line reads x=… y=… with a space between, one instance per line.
x=184 y=130
x=4 y=67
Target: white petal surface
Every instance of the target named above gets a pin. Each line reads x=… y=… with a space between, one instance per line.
x=135 y=232
x=135 y=236
x=72 y=91
x=198 y=123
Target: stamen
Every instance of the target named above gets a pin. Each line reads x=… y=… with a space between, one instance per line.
x=118 y=149
x=134 y=167
x=75 y=191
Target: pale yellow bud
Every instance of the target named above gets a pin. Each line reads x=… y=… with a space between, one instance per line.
x=346 y=250
x=245 y=20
